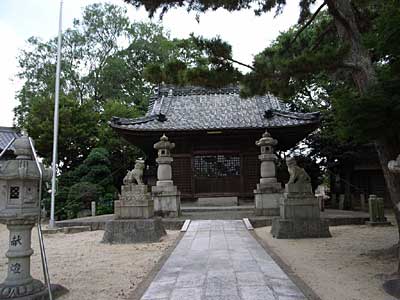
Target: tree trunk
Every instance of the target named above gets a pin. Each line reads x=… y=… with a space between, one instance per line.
x=388 y=150
x=358 y=58
x=364 y=76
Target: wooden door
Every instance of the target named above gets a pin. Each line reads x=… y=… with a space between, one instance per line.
x=217 y=174
x=182 y=175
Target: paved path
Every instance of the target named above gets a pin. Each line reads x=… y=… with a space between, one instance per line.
x=220 y=260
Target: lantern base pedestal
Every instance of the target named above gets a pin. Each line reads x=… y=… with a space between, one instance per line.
x=266 y=199
x=133 y=231
x=300 y=228
x=35 y=290
x=167 y=201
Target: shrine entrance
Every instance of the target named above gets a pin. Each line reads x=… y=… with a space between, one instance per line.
x=217 y=174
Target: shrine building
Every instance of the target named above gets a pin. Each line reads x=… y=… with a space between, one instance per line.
x=215 y=131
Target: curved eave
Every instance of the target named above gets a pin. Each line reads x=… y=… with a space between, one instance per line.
x=287 y=136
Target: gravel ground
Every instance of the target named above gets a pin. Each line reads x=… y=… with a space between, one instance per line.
x=88 y=268
x=344 y=267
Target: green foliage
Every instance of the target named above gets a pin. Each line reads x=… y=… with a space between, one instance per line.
x=231 y=5
x=90 y=181
x=371 y=116
x=77 y=131
x=198 y=62
x=105 y=205
x=81 y=195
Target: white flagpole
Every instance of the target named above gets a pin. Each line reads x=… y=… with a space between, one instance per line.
x=55 y=130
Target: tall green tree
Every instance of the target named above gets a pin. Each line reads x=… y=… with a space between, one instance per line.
x=104 y=56
x=78 y=129
x=90 y=181
x=87 y=48
x=103 y=60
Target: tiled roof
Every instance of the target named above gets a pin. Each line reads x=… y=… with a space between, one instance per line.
x=6 y=135
x=195 y=108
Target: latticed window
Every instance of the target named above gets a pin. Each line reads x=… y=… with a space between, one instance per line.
x=14 y=192
x=219 y=165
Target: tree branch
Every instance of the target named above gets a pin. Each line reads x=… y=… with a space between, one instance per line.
x=351 y=65
x=239 y=63
x=322 y=35
x=308 y=22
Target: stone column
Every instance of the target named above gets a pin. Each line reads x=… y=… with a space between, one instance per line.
x=269 y=190
x=166 y=197
x=19 y=281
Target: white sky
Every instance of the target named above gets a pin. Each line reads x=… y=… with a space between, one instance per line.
x=21 y=19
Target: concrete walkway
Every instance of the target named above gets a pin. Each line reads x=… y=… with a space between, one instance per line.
x=220 y=260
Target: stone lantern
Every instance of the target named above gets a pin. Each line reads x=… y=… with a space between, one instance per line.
x=269 y=190
x=167 y=198
x=19 y=210
x=164 y=160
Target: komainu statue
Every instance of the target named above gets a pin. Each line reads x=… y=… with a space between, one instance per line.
x=297 y=174
x=394 y=165
x=135 y=176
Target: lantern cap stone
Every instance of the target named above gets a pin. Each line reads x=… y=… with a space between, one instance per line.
x=164 y=143
x=22 y=148
x=266 y=134
x=266 y=140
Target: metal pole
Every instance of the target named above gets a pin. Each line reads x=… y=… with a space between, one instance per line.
x=6 y=148
x=55 y=130
x=39 y=225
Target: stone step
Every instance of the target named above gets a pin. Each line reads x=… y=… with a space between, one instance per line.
x=216 y=208
x=76 y=229
x=51 y=230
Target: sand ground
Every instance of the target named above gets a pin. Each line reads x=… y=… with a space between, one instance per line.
x=342 y=267
x=88 y=268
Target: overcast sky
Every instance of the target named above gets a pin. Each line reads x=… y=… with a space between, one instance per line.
x=21 y=19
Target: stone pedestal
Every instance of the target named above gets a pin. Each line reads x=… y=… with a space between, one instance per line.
x=133 y=231
x=300 y=228
x=166 y=197
x=134 y=203
x=299 y=215
x=167 y=201
x=134 y=221
x=299 y=202
x=269 y=190
x=266 y=200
